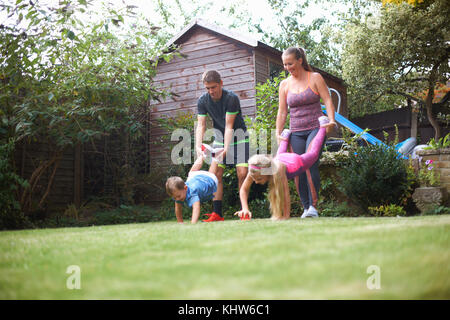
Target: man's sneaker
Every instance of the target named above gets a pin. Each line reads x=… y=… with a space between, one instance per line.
x=213 y=217
x=311 y=213
x=286 y=134
x=323 y=120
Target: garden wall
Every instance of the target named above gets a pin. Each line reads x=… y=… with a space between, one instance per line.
x=441 y=158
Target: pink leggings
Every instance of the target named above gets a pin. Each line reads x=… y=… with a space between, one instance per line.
x=296 y=164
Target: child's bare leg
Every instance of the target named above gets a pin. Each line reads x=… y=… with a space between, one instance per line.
x=213 y=167
x=197 y=164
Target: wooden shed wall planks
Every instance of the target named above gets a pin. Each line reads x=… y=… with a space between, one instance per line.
x=202 y=50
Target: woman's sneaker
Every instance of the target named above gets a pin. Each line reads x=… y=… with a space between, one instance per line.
x=304 y=213
x=311 y=213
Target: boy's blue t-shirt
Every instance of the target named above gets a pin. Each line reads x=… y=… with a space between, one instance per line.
x=199 y=188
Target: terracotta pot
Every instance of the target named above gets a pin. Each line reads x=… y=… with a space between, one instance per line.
x=426 y=198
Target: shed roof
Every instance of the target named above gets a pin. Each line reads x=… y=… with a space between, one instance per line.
x=178 y=39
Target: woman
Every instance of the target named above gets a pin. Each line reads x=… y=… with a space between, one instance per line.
x=302 y=92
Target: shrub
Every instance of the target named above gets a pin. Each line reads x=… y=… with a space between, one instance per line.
x=121 y=215
x=437 y=210
x=428 y=175
x=337 y=209
x=391 y=210
x=11 y=216
x=375 y=176
x=442 y=143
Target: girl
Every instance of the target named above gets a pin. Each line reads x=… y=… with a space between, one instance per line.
x=276 y=171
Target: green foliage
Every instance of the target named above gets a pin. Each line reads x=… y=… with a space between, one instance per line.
x=396 y=53
x=439 y=144
x=120 y=215
x=264 y=121
x=391 y=210
x=437 y=210
x=317 y=37
x=427 y=175
x=337 y=209
x=65 y=81
x=11 y=216
x=374 y=176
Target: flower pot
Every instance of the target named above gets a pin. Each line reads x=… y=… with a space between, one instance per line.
x=426 y=198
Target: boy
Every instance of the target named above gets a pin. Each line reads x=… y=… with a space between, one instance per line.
x=199 y=187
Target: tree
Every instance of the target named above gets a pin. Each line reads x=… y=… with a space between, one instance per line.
x=65 y=81
x=400 y=52
x=317 y=37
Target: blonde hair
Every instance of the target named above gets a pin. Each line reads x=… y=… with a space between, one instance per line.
x=269 y=166
x=174 y=183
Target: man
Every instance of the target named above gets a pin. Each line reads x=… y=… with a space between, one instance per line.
x=230 y=132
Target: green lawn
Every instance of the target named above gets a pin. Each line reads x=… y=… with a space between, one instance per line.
x=325 y=258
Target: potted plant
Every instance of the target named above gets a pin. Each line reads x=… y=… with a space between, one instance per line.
x=430 y=194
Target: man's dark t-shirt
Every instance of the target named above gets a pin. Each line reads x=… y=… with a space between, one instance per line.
x=217 y=110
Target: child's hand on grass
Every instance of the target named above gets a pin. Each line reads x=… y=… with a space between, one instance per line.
x=244 y=214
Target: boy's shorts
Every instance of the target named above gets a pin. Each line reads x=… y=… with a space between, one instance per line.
x=202 y=172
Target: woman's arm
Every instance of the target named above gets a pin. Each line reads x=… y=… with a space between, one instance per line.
x=243 y=194
x=282 y=108
x=321 y=87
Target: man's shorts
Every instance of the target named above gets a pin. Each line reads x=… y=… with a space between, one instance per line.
x=237 y=154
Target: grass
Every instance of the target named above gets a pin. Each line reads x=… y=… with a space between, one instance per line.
x=325 y=258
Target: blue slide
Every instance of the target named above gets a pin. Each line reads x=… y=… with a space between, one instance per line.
x=403 y=148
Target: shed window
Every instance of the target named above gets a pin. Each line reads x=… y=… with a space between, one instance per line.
x=274 y=69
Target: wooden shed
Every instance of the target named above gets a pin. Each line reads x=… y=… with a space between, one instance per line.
x=241 y=61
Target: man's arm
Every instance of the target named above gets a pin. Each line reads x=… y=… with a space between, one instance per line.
x=195 y=212
x=179 y=212
x=201 y=128
x=229 y=125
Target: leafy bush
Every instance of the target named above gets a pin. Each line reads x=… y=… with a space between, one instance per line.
x=439 y=144
x=266 y=110
x=375 y=176
x=428 y=175
x=437 y=210
x=11 y=216
x=337 y=209
x=391 y=210
x=77 y=81
x=121 y=215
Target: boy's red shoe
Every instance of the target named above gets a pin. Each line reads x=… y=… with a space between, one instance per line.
x=213 y=217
